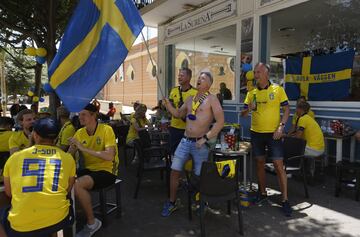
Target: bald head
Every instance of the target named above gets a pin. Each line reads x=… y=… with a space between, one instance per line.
x=205 y=81
x=262 y=74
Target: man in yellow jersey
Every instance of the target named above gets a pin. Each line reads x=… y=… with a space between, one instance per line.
x=137 y=123
x=200 y=111
x=267 y=129
x=6 y=132
x=67 y=130
x=309 y=130
x=295 y=117
x=21 y=139
x=96 y=142
x=38 y=180
x=178 y=95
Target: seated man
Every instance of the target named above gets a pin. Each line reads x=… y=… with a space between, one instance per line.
x=96 y=142
x=6 y=132
x=67 y=130
x=309 y=129
x=137 y=123
x=38 y=180
x=21 y=139
x=295 y=117
x=112 y=110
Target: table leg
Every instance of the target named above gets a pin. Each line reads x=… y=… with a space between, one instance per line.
x=339 y=145
x=326 y=153
x=74 y=211
x=244 y=170
x=352 y=149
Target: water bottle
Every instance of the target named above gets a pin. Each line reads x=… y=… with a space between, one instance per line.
x=222 y=142
x=323 y=126
x=254 y=103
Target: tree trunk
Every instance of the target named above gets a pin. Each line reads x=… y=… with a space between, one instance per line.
x=51 y=37
x=38 y=72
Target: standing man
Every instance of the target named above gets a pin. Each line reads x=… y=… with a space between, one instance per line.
x=96 y=142
x=67 y=128
x=178 y=95
x=21 y=139
x=200 y=111
x=38 y=180
x=267 y=129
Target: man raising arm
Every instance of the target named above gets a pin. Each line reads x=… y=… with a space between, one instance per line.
x=200 y=111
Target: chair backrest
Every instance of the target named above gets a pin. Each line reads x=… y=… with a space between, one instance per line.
x=144 y=138
x=293 y=147
x=212 y=184
x=122 y=132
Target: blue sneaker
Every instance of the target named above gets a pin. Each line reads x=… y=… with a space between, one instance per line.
x=168 y=209
x=286 y=208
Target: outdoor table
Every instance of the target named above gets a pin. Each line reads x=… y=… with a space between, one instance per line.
x=339 y=145
x=244 y=152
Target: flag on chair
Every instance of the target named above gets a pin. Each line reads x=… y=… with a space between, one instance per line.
x=319 y=78
x=96 y=41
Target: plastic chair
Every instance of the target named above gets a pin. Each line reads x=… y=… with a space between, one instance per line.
x=151 y=158
x=214 y=188
x=348 y=173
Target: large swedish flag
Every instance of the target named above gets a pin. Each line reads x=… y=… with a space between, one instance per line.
x=95 y=43
x=325 y=77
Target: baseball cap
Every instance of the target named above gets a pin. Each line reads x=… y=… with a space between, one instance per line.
x=91 y=108
x=46 y=128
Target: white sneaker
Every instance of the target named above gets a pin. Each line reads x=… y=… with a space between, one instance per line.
x=90 y=231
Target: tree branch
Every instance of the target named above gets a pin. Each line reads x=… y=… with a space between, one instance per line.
x=21 y=66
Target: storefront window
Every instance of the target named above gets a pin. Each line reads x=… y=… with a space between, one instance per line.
x=246 y=56
x=214 y=52
x=325 y=35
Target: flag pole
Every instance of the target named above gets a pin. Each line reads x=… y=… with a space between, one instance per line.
x=152 y=63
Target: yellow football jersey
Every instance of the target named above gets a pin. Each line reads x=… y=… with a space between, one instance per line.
x=311 y=132
x=39 y=179
x=4 y=140
x=66 y=132
x=266 y=117
x=132 y=134
x=19 y=140
x=103 y=137
x=175 y=97
x=295 y=117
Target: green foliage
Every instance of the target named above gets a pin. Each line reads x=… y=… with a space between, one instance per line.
x=18 y=79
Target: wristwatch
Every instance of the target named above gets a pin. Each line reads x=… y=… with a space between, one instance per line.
x=206 y=137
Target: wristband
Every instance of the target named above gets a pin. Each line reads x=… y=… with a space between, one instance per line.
x=282 y=124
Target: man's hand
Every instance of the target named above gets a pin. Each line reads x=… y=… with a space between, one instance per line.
x=200 y=143
x=76 y=143
x=165 y=102
x=278 y=133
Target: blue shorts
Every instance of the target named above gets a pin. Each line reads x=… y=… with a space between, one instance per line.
x=176 y=135
x=261 y=141
x=186 y=148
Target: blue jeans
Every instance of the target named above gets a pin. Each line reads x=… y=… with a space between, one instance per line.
x=186 y=148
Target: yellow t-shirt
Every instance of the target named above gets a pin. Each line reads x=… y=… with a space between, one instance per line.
x=4 y=140
x=266 y=118
x=310 y=113
x=39 y=179
x=311 y=132
x=104 y=137
x=67 y=131
x=175 y=97
x=133 y=134
x=19 y=140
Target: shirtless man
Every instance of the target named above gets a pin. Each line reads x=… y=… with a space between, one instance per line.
x=200 y=111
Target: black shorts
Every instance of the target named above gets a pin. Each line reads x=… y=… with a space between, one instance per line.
x=102 y=178
x=176 y=135
x=261 y=141
x=44 y=232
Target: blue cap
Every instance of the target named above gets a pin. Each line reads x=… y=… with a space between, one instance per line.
x=46 y=128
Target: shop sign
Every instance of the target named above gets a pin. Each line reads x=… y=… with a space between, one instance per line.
x=222 y=10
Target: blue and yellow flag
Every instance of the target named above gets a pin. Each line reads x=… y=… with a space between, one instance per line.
x=95 y=43
x=325 y=77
